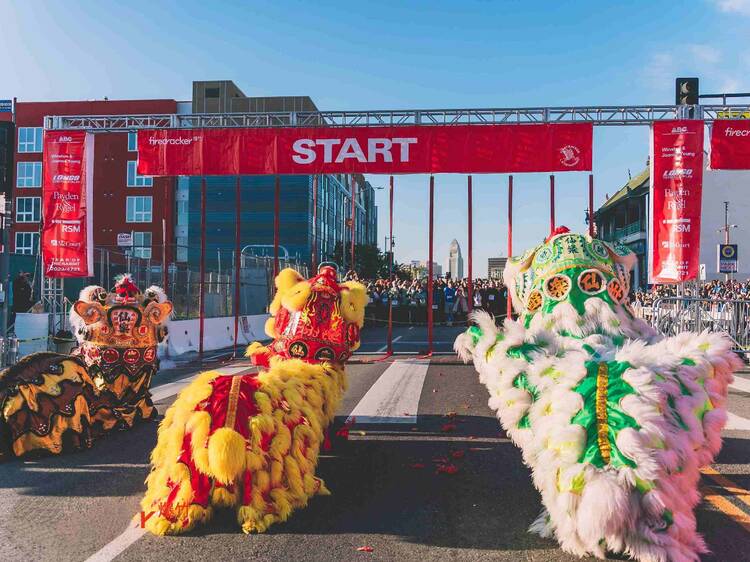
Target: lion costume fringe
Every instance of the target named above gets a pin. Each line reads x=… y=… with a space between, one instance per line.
x=614 y=420
x=251 y=442
x=50 y=402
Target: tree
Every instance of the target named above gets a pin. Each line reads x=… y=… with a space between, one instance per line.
x=370 y=262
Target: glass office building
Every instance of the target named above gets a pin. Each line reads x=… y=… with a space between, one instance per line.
x=257 y=216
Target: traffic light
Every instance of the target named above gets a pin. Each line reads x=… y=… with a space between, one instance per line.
x=6 y=157
x=686 y=91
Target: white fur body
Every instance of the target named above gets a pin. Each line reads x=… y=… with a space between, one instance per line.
x=647 y=511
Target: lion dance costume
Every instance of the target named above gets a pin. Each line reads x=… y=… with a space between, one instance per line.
x=614 y=420
x=50 y=402
x=251 y=442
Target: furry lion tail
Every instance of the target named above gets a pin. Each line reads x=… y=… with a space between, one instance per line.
x=226 y=455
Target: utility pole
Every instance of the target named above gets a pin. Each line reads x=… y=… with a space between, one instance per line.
x=725 y=230
x=5 y=266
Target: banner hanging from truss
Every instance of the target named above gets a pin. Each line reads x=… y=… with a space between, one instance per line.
x=675 y=200
x=413 y=149
x=67 y=196
x=730 y=145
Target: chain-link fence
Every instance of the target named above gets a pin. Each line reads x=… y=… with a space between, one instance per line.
x=180 y=280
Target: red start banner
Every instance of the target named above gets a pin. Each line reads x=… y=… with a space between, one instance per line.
x=676 y=183
x=67 y=233
x=730 y=145
x=404 y=149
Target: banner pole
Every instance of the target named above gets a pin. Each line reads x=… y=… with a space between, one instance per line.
x=551 y=203
x=509 y=305
x=164 y=253
x=591 y=205
x=168 y=205
x=314 y=245
x=390 y=268
x=202 y=286
x=237 y=260
x=353 y=189
x=430 y=316
x=470 y=284
x=276 y=220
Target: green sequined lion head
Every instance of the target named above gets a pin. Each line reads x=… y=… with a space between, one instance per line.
x=570 y=268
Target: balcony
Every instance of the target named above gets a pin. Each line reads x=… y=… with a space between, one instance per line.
x=627 y=234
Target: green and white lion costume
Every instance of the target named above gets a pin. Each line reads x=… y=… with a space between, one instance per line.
x=614 y=420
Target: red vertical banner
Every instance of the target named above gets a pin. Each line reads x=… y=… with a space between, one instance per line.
x=67 y=196
x=675 y=200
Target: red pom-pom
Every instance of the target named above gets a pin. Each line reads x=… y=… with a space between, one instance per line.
x=557 y=231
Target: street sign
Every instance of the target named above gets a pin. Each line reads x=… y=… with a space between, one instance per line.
x=702 y=272
x=6 y=106
x=125 y=239
x=727 y=258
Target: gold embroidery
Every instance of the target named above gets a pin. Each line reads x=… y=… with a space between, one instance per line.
x=234 y=396
x=602 y=428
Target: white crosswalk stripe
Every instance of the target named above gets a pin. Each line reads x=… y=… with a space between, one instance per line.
x=394 y=398
x=743 y=385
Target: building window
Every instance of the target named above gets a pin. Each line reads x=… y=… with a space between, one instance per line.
x=29 y=174
x=27 y=242
x=138 y=209
x=132 y=141
x=142 y=245
x=28 y=209
x=30 y=139
x=134 y=180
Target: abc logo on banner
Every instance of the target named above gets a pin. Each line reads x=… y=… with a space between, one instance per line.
x=675 y=200
x=67 y=194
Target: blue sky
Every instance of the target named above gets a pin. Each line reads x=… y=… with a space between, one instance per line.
x=348 y=55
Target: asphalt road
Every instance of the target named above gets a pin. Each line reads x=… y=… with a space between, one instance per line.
x=410 y=339
x=388 y=494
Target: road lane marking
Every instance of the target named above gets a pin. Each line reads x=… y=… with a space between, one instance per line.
x=727 y=484
x=726 y=507
x=743 y=385
x=134 y=532
x=394 y=398
x=162 y=391
x=116 y=547
x=737 y=423
x=385 y=347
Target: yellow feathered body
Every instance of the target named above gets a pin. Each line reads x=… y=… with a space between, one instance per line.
x=251 y=442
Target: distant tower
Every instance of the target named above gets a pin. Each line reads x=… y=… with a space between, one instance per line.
x=455 y=263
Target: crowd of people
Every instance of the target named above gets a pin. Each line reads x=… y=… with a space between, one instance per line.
x=714 y=290
x=451 y=297
x=450 y=300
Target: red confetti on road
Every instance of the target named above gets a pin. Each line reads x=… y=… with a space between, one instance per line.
x=448 y=427
x=447 y=469
x=458 y=454
x=365 y=549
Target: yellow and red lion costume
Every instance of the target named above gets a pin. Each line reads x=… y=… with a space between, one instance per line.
x=251 y=442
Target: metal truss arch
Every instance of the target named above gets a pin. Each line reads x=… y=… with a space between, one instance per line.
x=598 y=115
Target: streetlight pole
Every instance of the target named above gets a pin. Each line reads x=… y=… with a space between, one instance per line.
x=725 y=229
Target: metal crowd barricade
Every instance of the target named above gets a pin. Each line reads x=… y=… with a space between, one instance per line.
x=674 y=315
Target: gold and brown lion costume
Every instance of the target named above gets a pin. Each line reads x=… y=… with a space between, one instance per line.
x=251 y=442
x=50 y=402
